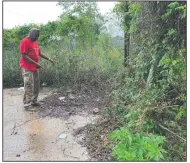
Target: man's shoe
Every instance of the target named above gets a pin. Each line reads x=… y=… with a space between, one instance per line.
x=27 y=105
x=30 y=108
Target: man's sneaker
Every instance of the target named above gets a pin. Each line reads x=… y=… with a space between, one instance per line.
x=27 y=105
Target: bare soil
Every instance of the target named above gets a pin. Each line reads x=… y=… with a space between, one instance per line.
x=76 y=102
x=93 y=136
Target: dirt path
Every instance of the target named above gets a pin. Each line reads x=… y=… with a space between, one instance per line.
x=34 y=136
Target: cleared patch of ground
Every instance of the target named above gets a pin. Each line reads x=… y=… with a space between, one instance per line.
x=64 y=103
x=87 y=101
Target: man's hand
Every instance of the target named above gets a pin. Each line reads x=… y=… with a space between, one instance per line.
x=52 y=61
x=45 y=57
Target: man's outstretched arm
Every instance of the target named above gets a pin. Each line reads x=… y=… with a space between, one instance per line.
x=47 y=58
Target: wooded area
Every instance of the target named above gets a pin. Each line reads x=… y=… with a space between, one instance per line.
x=145 y=70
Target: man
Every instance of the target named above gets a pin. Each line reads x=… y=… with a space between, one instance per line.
x=29 y=64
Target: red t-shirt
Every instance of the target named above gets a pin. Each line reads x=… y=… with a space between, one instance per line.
x=32 y=50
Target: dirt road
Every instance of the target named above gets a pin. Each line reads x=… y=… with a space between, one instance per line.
x=27 y=136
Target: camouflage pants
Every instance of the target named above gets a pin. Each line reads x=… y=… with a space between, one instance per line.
x=31 y=85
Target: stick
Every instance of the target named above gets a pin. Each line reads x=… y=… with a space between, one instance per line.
x=171 y=132
x=13 y=129
x=166 y=107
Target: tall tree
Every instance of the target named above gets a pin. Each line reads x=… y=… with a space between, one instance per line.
x=122 y=10
x=80 y=22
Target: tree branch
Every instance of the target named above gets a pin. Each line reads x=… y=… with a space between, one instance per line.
x=171 y=132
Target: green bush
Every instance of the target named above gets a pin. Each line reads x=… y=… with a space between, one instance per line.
x=136 y=147
x=91 y=67
x=11 y=73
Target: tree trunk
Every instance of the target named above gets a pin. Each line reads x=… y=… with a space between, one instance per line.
x=126 y=47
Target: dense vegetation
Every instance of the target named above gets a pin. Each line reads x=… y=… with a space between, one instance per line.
x=151 y=94
x=148 y=94
x=78 y=41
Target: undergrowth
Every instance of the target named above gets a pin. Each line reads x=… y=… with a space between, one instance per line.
x=150 y=94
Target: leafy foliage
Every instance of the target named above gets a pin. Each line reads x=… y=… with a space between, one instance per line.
x=152 y=89
x=136 y=147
